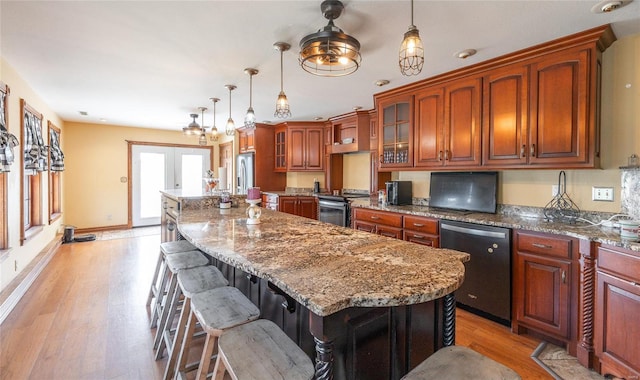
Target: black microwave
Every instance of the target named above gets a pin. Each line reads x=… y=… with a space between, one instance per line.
x=399 y=193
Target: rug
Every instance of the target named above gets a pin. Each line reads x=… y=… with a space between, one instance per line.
x=560 y=364
x=131 y=233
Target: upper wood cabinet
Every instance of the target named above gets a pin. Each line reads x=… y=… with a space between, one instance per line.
x=349 y=133
x=246 y=140
x=305 y=147
x=395 y=124
x=280 y=153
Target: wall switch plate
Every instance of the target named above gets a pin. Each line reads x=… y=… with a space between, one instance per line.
x=602 y=194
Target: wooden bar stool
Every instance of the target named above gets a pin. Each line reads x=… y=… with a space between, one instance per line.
x=190 y=282
x=260 y=350
x=175 y=262
x=217 y=310
x=156 y=291
x=460 y=363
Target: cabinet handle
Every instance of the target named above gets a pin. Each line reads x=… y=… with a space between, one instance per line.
x=252 y=278
x=538 y=245
x=533 y=150
x=564 y=277
x=446 y=155
x=440 y=156
x=381 y=161
x=418 y=236
x=375 y=217
x=418 y=224
x=522 y=150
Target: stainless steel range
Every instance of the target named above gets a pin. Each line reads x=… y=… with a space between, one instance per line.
x=335 y=209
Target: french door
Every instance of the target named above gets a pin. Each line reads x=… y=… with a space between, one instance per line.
x=156 y=168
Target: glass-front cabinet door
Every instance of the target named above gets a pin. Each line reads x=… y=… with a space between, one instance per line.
x=396 y=121
x=280 y=149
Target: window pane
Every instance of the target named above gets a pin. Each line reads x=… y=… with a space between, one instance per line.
x=192 y=173
x=27 y=201
x=152 y=180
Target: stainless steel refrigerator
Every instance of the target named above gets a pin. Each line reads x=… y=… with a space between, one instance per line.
x=245 y=172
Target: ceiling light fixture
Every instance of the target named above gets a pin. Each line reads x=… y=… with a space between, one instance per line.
x=466 y=53
x=193 y=129
x=607 y=6
x=282 y=104
x=411 y=57
x=203 y=138
x=330 y=52
x=382 y=82
x=214 y=129
x=250 y=117
x=230 y=130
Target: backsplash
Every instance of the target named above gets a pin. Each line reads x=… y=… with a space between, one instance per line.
x=630 y=197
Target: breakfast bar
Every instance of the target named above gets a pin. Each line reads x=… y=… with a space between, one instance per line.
x=360 y=305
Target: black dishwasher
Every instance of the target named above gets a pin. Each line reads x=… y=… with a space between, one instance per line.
x=487 y=282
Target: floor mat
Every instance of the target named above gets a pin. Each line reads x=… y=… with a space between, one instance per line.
x=560 y=364
x=130 y=233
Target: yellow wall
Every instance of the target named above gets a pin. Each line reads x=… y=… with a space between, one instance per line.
x=14 y=260
x=304 y=179
x=96 y=160
x=356 y=174
x=620 y=138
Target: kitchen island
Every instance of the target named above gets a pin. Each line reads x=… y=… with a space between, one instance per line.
x=362 y=306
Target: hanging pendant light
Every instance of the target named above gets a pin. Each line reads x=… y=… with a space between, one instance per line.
x=193 y=129
x=330 y=52
x=411 y=51
x=230 y=130
x=250 y=117
x=282 y=104
x=203 y=138
x=214 y=129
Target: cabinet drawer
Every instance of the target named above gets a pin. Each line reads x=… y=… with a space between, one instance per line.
x=379 y=217
x=169 y=203
x=421 y=238
x=421 y=224
x=620 y=261
x=550 y=245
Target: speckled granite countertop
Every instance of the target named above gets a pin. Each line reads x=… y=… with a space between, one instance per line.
x=325 y=267
x=580 y=230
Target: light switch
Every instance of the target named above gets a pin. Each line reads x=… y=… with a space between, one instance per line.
x=602 y=194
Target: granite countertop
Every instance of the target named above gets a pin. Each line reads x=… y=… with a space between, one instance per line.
x=324 y=267
x=292 y=193
x=532 y=223
x=179 y=194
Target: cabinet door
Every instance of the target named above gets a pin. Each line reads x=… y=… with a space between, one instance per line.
x=296 y=148
x=395 y=139
x=462 y=123
x=280 y=152
x=429 y=128
x=308 y=207
x=287 y=204
x=542 y=291
x=314 y=150
x=560 y=122
x=250 y=141
x=242 y=142
x=504 y=126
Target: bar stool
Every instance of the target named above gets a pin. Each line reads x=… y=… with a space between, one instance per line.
x=460 y=363
x=190 y=282
x=217 y=310
x=175 y=262
x=260 y=350
x=156 y=291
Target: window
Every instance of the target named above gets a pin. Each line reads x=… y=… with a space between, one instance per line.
x=35 y=162
x=56 y=166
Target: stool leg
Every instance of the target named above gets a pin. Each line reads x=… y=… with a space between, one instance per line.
x=170 y=303
x=220 y=367
x=207 y=352
x=160 y=299
x=153 y=291
x=181 y=340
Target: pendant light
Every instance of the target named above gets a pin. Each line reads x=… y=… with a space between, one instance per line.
x=203 y=138
x=282 y=104
x=193 y=129
x=214 y=129
x=250 y=117
x=330 y=52
x=411 y=57
x=230 y=130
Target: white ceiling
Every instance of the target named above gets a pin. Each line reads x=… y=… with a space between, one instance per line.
x=152 y=63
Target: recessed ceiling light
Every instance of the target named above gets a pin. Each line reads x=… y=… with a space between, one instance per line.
x=103 y=120
x=355 y=108
x=83 y=113
x=382 y=82
x=466 y=53
x=607 y=6
x=318 y=118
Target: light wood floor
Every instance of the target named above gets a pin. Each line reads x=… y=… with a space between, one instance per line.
x=85 y=318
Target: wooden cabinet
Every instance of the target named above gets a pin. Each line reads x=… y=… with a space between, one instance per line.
x=545 y=284
x=305 y=146
x=379 y=222
x=260 y=141
x=280 y=153
x=352 y=126
x=421 y=230
x=299 y=205
x=246 y=140
x=395 y=139
x=617 y=332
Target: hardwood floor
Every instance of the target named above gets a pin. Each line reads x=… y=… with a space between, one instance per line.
x=85 y=318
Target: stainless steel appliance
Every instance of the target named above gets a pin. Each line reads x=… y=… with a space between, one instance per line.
x=335 y=209
x=486 y=289
x=399 y=193
x=245 y=172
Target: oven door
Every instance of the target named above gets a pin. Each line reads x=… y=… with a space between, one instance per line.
x=333 y=212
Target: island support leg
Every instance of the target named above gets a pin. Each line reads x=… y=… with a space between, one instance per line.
x=324 y=360
x=449 y=326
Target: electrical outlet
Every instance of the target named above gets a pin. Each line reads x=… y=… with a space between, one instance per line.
x=602 y=194
x=554 y=190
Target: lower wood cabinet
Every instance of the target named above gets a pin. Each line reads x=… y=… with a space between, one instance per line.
x=378 y=222
x=299 y=205
x=545 y=270
x=617 y=331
